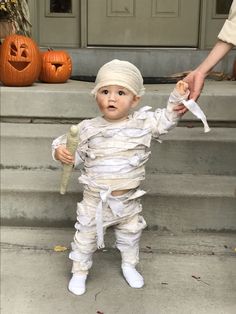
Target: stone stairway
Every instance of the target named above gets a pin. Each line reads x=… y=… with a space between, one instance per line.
x=191 y=177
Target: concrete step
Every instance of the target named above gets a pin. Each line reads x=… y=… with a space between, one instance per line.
x=184 y=150
x=173 y=202
x=151 y=62
x=72 y=100
x=195 y=187
x=152 y=241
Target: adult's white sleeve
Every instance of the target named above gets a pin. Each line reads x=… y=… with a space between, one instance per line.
x=228 y=31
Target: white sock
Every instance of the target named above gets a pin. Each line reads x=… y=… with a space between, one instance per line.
x=132 y=276
x=77 y=284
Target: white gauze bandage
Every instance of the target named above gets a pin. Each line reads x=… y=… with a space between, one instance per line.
x=175 y=99
x=122 y=73
x=192 y=106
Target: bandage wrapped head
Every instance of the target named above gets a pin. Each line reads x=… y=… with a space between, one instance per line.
x=122 y=73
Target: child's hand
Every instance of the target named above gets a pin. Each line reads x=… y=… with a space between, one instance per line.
x=182 y=87
x=62 y=154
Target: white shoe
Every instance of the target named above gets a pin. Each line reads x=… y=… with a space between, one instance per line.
x=132 y=276
x=77 y=284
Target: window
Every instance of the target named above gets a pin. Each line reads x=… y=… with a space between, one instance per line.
x=221 y=9
x=60 y=6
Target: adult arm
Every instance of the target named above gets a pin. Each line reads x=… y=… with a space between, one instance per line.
x=226 y=41
x=195 y=79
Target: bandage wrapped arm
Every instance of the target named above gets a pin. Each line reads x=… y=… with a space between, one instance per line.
x=176 y=98
x=167 y=118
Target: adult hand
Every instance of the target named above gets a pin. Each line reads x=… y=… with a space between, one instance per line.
x=195 y=80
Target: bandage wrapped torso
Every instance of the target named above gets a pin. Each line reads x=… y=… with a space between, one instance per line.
x=115 y=153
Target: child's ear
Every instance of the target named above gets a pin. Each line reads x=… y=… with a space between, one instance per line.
x=135 y=101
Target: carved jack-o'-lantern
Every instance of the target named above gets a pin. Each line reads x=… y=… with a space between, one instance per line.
x=56 y=66
x=20 y=61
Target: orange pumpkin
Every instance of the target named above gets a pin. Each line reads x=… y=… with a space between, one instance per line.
x=56 y=66
x=20 y=61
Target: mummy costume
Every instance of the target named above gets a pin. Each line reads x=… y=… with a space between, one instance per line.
x=114 y=155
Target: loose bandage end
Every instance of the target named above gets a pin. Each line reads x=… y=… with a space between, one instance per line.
x=192 y=106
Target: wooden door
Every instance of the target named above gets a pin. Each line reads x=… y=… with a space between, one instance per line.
x=173 y=23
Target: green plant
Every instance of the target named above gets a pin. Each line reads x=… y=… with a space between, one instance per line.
x=18 y=13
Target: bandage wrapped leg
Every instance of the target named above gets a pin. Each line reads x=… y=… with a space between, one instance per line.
x=129 y=249
x=83 y=247
x=82 y=250
x=127 y=241
x=128 y=235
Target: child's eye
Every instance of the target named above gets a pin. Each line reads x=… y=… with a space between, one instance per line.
x=121 y=92
x=105 y=91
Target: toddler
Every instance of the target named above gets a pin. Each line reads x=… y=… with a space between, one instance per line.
x=114 y=149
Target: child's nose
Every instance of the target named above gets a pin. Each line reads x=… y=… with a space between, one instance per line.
x=112 y=96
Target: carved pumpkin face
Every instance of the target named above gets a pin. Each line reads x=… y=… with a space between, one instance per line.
x=20 y=61
x=56 y=67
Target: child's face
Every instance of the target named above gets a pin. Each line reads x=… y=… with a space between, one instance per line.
x=115 y=102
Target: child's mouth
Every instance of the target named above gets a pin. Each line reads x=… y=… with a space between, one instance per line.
x=111 y=107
